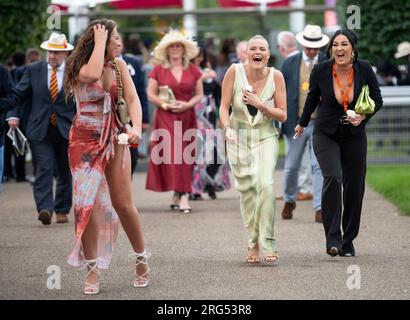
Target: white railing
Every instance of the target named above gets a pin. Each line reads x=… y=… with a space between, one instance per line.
x=388 y=132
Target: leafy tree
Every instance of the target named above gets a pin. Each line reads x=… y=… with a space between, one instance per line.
x=383 y=25
x=22 y=25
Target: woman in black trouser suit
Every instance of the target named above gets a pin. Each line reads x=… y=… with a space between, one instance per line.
x=339 y=141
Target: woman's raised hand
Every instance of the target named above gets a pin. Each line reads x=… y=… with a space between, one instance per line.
x=100 y=34
x=251 y=98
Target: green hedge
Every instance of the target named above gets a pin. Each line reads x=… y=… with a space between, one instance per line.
x=22 y=25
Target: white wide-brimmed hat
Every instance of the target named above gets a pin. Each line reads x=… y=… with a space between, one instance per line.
x=403 y=49
x=57 y=42
x=312 y=37
x=175 y=36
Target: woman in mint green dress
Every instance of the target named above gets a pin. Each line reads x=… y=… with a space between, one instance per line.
x=257 y=95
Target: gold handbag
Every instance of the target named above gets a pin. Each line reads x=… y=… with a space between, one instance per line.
x=166 y=94
x=364 y=104
x=122 y=107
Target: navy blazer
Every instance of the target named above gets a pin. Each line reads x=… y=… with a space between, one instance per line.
x=6 y=88
x=330 y=110
x=34 y=83
x=139 y=81
x=291 y=72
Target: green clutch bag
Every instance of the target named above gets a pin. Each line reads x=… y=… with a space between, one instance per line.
x=364 y=104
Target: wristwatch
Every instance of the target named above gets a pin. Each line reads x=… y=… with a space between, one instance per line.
x=227 y=126
x=164 y=105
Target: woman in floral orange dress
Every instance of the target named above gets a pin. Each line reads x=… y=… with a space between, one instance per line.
x=99 y=165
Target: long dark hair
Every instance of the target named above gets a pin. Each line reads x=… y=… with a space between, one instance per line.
x=82 y=53
x=351 y=36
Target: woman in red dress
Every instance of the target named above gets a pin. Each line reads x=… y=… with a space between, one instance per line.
x=171 y=162
x=99 y=165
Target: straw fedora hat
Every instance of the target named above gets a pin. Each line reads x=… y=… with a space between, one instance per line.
x=174 y=36
x=57 y=42
x=312 y=37
x=403 y=49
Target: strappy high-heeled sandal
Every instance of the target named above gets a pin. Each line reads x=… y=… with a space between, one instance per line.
x=92 y=288
x=271 y=258
x=187 y=209
x=141 y=281
x=173 y=205
x=252 y=259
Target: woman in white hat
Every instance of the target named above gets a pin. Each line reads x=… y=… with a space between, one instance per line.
x=99 y=164
x=170 y=166
x=258 y=96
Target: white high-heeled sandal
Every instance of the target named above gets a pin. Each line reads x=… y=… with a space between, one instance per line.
x=92 y=288
x=141 y=281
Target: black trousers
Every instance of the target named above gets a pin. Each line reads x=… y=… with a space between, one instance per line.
x=342 y=159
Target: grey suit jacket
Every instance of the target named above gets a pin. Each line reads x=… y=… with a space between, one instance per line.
x=290 y=70
x=34 y=84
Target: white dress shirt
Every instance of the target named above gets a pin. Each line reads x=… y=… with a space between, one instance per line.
x=307 y=60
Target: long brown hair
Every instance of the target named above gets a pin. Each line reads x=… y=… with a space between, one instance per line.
x=82 y=53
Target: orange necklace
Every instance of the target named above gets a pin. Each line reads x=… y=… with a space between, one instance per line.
x=345 y=95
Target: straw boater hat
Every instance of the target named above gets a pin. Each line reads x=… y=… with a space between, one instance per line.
x=174 y=36
x=57 y=42
x=403 y=49
x=312 y=37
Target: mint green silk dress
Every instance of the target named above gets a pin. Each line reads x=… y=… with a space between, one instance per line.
x=252 y=161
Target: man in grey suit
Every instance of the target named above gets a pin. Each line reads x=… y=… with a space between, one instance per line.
x=48 y=126
x=296 y=71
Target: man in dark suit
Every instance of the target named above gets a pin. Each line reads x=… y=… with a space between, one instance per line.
x=48 y=126
x=137 y=76
x=6 y=88
x=296 y=71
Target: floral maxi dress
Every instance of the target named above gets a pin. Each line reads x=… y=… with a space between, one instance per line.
x=91 y=145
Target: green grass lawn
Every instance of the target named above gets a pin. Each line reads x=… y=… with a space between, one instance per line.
x=393 y=182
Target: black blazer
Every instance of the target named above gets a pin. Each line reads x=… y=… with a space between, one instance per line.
x=330 y=110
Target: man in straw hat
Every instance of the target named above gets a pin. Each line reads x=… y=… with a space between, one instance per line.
x=48 y=127
x=403 y=51
x=296 y=70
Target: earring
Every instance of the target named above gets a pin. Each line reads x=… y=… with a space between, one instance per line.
x=352 y=57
